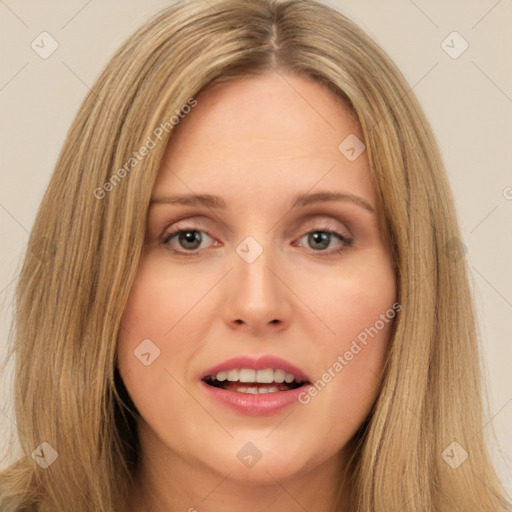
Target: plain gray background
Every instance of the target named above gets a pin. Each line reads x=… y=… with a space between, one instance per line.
x=467 y=98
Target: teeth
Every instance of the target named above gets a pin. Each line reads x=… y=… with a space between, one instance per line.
x=256 y=391
x=252 y=391
x=232 y=375
x=222 y=376
x=247 y=375
x=266 y=376
x=288 y=377
x=279 y=375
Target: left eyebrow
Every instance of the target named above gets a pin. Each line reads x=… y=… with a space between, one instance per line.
x=332 y=196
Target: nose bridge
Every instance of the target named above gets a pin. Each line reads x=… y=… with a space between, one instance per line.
x=253 y=270
x=257 y=296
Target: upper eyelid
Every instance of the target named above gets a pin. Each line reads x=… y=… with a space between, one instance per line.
x=193 y=226
x=309 y=218
x=320 y=213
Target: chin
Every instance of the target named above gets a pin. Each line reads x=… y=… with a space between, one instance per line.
x=263 y=462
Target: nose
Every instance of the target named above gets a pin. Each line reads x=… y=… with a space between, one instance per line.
x=257 y=298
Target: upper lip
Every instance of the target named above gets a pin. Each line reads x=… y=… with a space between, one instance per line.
x=256 y=363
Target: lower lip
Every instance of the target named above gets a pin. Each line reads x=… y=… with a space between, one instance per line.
x=261 y=404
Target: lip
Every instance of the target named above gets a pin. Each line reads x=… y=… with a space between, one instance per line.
x=257 y=363
x=263 y=404
x=251 y=404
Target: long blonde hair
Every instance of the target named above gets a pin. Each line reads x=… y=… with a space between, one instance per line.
x=87 y=239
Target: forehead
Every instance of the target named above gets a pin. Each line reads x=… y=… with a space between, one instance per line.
x=264 y=133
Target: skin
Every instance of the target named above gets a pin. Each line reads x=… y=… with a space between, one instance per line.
x=258 y=143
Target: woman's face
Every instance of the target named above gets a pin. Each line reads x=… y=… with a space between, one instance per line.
x=269 y=277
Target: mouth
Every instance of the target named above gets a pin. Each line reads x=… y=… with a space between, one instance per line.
x=255 y=385
x=251 y=381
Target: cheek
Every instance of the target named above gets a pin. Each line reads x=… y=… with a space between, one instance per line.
x=161 y=302
x=358 y=309
x=156 y=306
x=352 y=298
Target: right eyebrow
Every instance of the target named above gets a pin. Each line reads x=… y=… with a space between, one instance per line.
x=191 y=199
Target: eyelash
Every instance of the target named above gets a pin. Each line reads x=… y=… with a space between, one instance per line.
x=347 y=242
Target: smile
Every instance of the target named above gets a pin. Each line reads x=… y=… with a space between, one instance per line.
x=252 y=385
x=247 y=380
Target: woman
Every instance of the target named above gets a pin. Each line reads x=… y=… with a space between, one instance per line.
x=196 y=349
